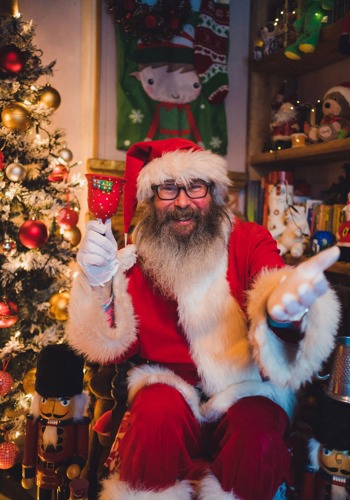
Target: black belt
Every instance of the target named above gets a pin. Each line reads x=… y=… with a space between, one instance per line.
x=49 y=465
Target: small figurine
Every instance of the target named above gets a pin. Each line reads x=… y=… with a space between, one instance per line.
x=269 y=41
x=57 y=432
x=296 y=232
x=321 y=240
x=283 y=124
x=335 y=123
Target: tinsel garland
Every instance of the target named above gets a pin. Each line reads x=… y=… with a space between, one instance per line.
x=150 y=23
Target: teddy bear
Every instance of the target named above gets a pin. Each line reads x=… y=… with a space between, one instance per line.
x=296 y=232
x=308 y=26
x=335 y=123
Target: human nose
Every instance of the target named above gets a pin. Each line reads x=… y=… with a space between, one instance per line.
x=182 y=200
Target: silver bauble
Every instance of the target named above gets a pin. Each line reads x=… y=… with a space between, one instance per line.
x=15 y=172
x=9 y=246
x=66 y=155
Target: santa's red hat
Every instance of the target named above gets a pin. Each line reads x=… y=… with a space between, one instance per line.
x=342 y=88
x=153 y=162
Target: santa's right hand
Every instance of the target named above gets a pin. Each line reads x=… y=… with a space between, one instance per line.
x=98 y=253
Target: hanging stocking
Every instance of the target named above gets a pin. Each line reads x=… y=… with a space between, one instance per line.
x=211 y=49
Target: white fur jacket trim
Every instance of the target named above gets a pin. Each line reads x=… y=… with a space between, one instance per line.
x=210 y=488
x=114 y=489
x=147 y=375
x=88 y=331
x=218 y=404
x=285 y=364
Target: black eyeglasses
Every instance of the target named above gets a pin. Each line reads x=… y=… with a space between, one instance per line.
x=169 y=191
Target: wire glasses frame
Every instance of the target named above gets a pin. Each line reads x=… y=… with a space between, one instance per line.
x=170 y=191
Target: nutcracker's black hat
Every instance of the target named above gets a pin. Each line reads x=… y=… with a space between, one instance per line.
x=332 y=424
x=59 y=372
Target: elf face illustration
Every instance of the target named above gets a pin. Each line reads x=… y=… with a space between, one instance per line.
x=170 y=83
x=56 y=408
x=335 y=462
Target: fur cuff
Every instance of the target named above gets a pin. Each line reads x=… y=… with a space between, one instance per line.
x=209 y=487
x=114 y=489
x=286 y=364
x=147 y=375
x=88 y=331
x=222 y=401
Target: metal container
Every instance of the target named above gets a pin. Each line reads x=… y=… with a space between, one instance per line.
x=339 y=379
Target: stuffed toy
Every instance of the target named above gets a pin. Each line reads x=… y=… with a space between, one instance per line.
x=335 y=123
x=57 y=428
x=308 y=26
x=280 y=196
x=296 y=232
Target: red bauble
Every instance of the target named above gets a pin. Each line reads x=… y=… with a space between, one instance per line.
x=6 y=382
x=12 y=60
x=150 y=21
x=67 y=218
x=33 y=234
x=8 y=455
x=8 y=314
x=59 y=173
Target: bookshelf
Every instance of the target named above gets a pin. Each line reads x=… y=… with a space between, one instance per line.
x=318 y=164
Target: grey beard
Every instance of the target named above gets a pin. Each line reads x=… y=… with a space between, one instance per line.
x=173 y=260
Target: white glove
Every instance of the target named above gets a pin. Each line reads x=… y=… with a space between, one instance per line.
x=98 y=253
x=299 y=289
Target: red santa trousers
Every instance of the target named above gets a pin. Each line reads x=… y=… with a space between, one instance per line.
x=164 y=443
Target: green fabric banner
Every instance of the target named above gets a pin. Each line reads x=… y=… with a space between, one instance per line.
x=160 y=95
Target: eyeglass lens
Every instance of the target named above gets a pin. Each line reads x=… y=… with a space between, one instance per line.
x=170 y=191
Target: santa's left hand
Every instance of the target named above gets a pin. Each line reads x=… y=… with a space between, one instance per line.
x=299 y=289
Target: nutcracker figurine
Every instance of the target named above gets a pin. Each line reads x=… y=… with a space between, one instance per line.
x=56 y=442
x=328 y=476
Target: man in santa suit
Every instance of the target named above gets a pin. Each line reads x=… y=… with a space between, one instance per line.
x=226 y=333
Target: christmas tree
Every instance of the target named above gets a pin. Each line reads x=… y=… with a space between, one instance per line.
x=38 y=219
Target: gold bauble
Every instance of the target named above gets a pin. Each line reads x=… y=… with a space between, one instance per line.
x=72 y=235
x=15 y=436
x=59 y=306
x=50 y=97
x=29 y=381
x=16 y=116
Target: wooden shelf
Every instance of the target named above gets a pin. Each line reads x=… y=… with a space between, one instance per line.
x=324 y=152
x=326 y=53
